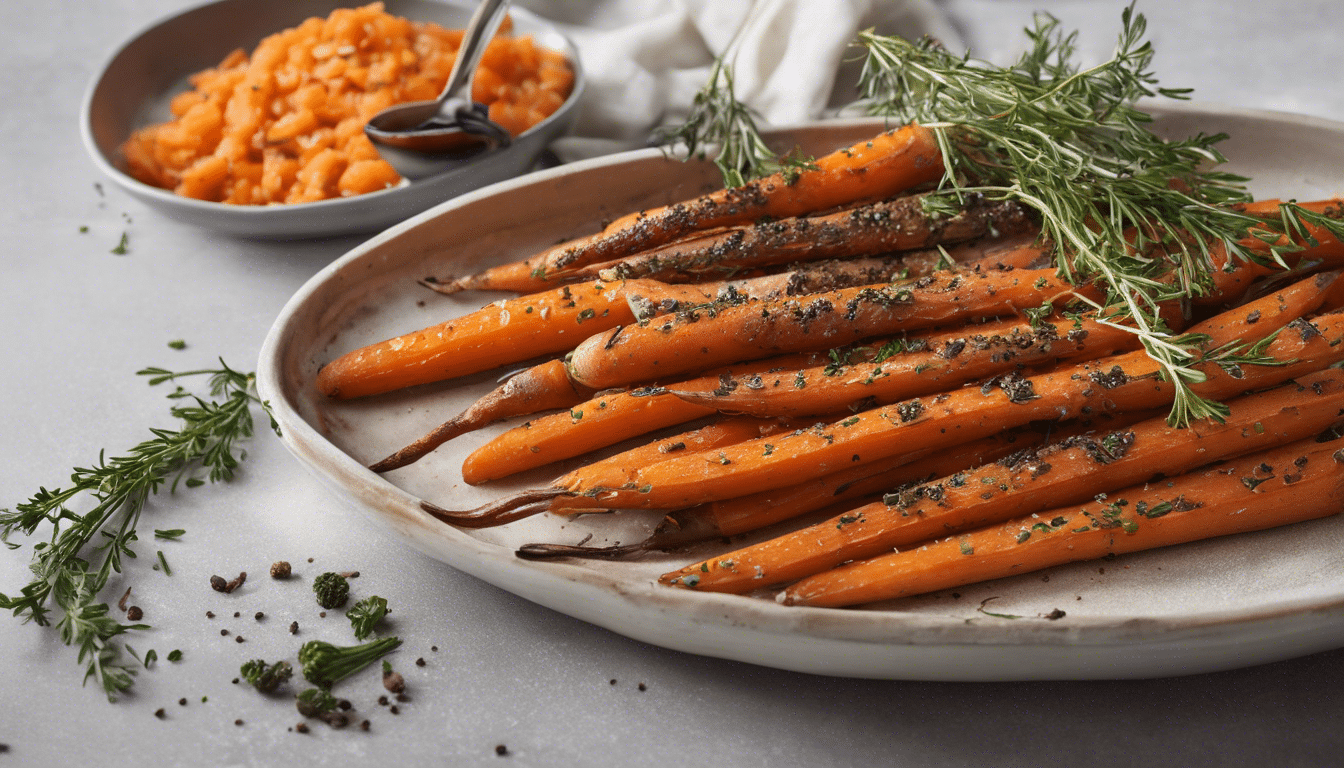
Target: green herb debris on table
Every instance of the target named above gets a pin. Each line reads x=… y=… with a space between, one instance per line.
x=85 y=549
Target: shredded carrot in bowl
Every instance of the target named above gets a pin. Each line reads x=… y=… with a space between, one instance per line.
x=286 y=124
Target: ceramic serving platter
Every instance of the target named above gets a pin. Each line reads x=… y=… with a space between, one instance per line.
x=1200 y=607
x=133 y=89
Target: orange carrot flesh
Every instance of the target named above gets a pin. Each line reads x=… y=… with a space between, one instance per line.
x=1124 y=382
x=880 y=167
x=908 y=368
x=1301 y=481
x=542 y=387
x=604 y=420
x=899 y=224
x=697 y=341
x=507 y=331
x=725 y=431
x=1066 y=472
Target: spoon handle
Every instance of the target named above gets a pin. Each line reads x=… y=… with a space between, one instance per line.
x=480 y=30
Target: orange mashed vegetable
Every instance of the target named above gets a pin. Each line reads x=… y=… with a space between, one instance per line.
x=286 y=125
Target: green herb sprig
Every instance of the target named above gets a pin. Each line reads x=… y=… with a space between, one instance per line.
x=718 y=120
x=1132 y=212
x=85 y=549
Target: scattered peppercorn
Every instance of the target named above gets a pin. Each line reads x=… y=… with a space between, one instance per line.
x=239 y=639
x=345 y=704
x=434 y=648
x=322 y=614
x=613 y=681
x=209 y=614
x=310 y=559
x=280 y=569
x=393 y=709
x=364 y=726
x=182 y=702
x=258 y=615
x=301 y=727
x=420 y=662
x=293 y=627
x=159 y=713
x=134 y=613
x=501 y=750
x=239 y=721
x=224 y=632
x=643 y=687
x=382 y=700
x=403 y=697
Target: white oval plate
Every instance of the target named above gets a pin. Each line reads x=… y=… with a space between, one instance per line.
x=1195 y=608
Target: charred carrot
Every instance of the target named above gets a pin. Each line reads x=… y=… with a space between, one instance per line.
x=539 y=388
x=1131 y=381
x=906 y=368
x=880 y=167
x=725 y=431
x=1065 y=472
x=507 y=331
x=900 y=224
x=700 y=340
x=1301 y=481
x=605 y=419
x=917 y=366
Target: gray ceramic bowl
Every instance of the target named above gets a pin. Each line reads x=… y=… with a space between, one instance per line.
x=135 y=86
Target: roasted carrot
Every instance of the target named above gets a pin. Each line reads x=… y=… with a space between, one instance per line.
x=700 y=340
x=891 y=162
x=749 y=513
x=603 y=420
x=652 y=298
x=900 y=369
x=1301 y=481
x=1065 y=472
x=900 y=224
x=539 y=388
x=1123 y=382
x=924 y=365
x=724 y=431
x=507 y=331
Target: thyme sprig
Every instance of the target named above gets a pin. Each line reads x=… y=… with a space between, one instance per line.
x=1127 y=210
x=718 y=120
x=86 y=548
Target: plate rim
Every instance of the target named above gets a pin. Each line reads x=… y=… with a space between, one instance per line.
x=904 y=645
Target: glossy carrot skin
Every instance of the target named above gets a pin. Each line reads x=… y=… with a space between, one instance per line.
x=1301 y=481
x=1124 y=382
x=886 y=164
x=697 y=341
x=604 y=420
x=505 y=332
x=1067 y=472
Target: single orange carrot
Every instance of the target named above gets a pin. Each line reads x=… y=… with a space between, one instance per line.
x=885 y=165
x=1301 y=481
x=899 y=224
x=603 y=420
x=700 y=340
x=904 y=368
x=507 y=331
x=542 y=387
x=1066 y=472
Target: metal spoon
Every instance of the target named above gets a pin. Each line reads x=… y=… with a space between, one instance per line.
x=423 y=138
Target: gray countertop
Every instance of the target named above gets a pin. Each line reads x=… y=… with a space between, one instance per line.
x=78 y=321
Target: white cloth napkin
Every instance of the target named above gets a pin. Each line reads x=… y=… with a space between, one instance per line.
x=792 y=60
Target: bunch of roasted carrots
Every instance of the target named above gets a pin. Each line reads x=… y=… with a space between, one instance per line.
x=917 y=399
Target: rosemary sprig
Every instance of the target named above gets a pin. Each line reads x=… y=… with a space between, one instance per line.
x=84 y=549
x=1125 y=209
x=718 y=120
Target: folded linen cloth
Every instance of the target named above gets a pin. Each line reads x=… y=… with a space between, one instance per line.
x=645 y=60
